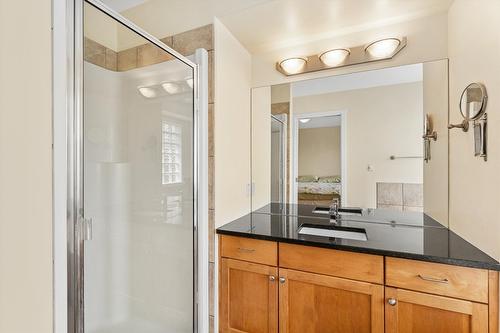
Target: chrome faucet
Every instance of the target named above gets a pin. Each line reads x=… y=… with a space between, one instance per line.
x=334 y=211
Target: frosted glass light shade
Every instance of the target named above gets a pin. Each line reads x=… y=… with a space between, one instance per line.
x=334 y=57
x=293 y=65
x=147 y=92
x=383 y=48
x=171 y=87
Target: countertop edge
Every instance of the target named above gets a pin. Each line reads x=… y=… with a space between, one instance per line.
x=403 y=255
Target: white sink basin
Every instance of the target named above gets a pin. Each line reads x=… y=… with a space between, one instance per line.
x=335 y=233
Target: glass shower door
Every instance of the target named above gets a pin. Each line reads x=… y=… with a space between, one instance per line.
x=138 y=188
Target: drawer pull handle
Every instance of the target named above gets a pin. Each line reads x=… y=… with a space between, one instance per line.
x=431 y=279
x=392 y=301
x=282 y=280
x=272 y=278
x=242 y=249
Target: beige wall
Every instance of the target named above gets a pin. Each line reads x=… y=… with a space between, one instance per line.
x=435 y=92
x=474 y=50
x=319 y=151
x=261 y=146
x=381 y=122
x=427 y=40
x=232 y=126
x=26 y=167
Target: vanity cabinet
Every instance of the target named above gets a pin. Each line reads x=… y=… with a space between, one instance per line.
x=416 y=312
x=248 y=297
x=319 y=303
x=270 y=286
x=248 y=286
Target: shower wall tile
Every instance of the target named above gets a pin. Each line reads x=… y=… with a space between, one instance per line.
x=413 y=195
x=211 y=146
x=280 y=108
x=413 y=209
x=94 y=52
x=150 y=54
x=168 y=41
x=211 y=81
x=187 y=42
x=211 y=324
x=390 y=207
x=111 y=60
x=211 y=235
x=211 y=288
x=127 y=59
x=211 y=185
x=390 y=194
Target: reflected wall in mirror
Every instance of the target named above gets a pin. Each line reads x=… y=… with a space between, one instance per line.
x=355 y=139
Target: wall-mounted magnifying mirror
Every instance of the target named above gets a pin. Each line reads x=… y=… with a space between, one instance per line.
x=473 y=108
x=473 y=101
x=472 y=105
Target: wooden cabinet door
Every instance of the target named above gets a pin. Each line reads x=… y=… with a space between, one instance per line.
x=248 y=297
x=315 y=303
x=415 y=312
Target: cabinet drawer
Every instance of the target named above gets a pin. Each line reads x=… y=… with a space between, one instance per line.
x=253 y=250
x=356 y=266
x=441 y=279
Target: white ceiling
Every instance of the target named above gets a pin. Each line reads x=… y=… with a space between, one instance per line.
x=266 y=25
x=277 y=24
x=361 y=80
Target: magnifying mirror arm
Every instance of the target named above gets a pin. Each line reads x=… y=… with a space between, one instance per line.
x=464 y=125
x=429 y=136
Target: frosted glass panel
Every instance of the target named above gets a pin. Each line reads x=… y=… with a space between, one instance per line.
x=138 y=183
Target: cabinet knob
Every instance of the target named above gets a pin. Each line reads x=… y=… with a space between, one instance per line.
x=272 y=278
x=392 y=301
x=282 y=280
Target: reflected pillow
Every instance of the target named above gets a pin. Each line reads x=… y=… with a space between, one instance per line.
x=329 y=179
x=307 y=179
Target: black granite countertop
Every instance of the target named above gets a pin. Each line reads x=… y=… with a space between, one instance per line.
x=368 y=215
x=402 y=240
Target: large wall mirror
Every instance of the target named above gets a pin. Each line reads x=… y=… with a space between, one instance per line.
x=376 y=140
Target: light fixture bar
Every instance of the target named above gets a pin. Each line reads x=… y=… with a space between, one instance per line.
x=358 y=55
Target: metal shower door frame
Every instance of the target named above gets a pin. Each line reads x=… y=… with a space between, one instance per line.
x=75 y=175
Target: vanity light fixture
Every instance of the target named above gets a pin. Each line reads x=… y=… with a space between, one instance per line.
x=305 y=120
x=171 y=87
x=293 y=65
x=148 y=92
x=334 y=57
x=383 y=48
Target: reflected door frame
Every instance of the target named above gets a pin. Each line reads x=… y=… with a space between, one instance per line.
x=294 y=172
x=283 y=120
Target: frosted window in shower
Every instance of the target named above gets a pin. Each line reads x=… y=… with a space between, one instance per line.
x=171 y=153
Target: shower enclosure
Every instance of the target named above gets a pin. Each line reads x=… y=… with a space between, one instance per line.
x=134 y=209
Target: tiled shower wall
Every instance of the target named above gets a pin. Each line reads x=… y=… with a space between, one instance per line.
x=400 y=196
x=144 y=55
